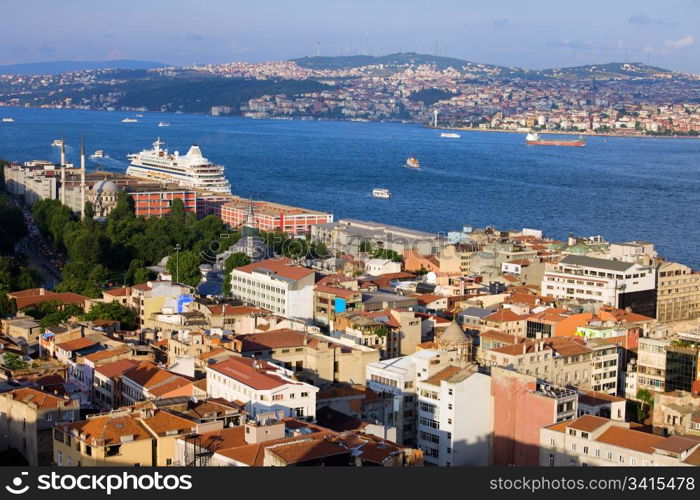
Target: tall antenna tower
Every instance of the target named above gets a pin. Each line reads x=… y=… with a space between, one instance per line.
x=318 y=49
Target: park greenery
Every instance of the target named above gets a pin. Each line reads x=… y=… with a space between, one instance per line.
x=118 y=250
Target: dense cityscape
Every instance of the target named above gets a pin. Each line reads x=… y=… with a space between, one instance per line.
x=151 y=323
x=336 y=237
x=622 y=99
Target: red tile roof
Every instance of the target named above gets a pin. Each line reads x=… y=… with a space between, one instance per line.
x=241 y=369
x=77 y=344
x=111 y=370
x=282 y=267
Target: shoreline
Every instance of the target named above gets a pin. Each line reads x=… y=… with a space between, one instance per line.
x=558 y=132
x=403 y=122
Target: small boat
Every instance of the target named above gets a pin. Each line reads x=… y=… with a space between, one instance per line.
x=99 y=153
x=8 y=119
x=450 y=135
x=139 y=115
x=163 y=124
x=57 y=142
x=381 y=193
x=412 y=162
x=129 y=120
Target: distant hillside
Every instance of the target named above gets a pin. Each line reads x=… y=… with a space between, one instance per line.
x=389 y=61
x=623 y=70
x=409 y=59
x=196 y=95
x=57 y=67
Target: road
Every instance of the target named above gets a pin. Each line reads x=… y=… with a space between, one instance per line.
x=40 y=252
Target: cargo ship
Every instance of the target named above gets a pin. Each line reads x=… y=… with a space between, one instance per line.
x=533 y=139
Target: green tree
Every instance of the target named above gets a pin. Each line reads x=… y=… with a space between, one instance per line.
x=89 y=210
x=233 y=261
x=185 y=266
x=61 y=315
x=14 y=361
x=12 y=224
x=365 y=246
x=383 y=253
x=113 y=311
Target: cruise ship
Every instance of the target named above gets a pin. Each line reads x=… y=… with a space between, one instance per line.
x=191 y=171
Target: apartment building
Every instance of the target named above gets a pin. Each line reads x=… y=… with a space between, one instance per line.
x=261 y=387
x=314 y=358
x=332 y=300
x=615 y=283
x=393 y=332
x=600 y=442
x=455 y=417
x=277 y=285
x=133 y=437
x=27 y=417
x=147 y=381
x=678 y=292
x=668 y=362
x=107 y=383
x=522 y=405
x=676 y=412
x=561 y=361
x=396 y=380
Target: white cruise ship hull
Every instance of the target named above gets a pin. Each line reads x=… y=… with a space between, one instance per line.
x=182 y=180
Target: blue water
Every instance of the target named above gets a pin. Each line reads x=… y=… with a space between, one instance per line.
x=621 y=188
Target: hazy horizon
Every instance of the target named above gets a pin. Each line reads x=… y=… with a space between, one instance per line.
x=546 y=34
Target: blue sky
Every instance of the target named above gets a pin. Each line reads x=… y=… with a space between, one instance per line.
x=535 y=34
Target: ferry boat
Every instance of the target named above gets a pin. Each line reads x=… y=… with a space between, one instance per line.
x=412 y=162
x=129 y=120
x=57 y=142
x=8 y=119
x=450 y=135
x=381 y=193
x=534 y=139
x=163 y=124
x=190 y=171
x=98 y=153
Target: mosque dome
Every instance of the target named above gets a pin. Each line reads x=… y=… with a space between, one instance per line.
x=105 y=187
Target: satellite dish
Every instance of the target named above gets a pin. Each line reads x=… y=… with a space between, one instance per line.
x=431 y=277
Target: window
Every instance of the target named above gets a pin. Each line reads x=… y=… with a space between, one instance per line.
x=551 y=459
x=59 y=458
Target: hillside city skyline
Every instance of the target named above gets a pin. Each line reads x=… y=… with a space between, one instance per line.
x=510 y=34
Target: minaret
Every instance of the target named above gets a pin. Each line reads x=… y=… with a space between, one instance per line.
x=63 y=151
x=82 y=177
x=250 y=219
x=63 y=170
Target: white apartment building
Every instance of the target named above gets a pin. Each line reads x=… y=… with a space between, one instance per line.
x=396 y=379
x=455 y=417
x=615 y=283
x=262 y=387
x=600 y=442
x=276 y=285
x=377 y=267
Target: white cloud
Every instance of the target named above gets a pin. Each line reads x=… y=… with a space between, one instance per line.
x=682 y=43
